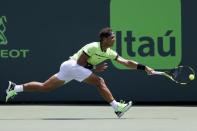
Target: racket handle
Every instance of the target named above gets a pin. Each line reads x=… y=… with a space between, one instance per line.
x=158 y=73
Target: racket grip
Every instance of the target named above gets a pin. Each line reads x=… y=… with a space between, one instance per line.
x=158 y=73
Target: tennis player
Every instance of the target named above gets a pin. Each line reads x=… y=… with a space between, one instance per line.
x=81 y=67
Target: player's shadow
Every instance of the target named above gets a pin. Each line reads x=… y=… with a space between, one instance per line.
x=61 y=119
x=81 y=118
x=133 y=118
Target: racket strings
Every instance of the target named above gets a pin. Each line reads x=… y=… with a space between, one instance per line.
x=180 y=74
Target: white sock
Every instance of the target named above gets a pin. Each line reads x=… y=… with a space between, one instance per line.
x=114 y=104
x=18 y=88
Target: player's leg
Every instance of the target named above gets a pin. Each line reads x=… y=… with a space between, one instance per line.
x=64 y=75
x=102 y=87
x=50 y=84
x=119 y=107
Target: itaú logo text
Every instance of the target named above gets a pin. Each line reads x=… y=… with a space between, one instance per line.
x=160 y=51
x=145 y=46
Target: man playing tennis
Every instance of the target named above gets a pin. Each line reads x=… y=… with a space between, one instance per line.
x=79 y=67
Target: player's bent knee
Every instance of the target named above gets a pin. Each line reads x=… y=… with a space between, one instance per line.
x=96 y=81
x=101 y=82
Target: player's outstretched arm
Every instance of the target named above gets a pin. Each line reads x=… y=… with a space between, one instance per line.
x=128 y=63
x=134 y=65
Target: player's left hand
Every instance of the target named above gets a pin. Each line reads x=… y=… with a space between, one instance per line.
x=101 y=67
x=149 y=70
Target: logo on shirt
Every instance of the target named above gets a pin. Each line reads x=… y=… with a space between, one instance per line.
x=147 y=31
x=101 y=56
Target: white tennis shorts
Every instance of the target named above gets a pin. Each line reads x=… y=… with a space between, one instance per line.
x=70 y=70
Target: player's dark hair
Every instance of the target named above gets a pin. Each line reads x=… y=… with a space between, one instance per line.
x=105 y=32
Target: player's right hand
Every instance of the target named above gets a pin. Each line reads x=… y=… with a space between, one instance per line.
x=149 y=70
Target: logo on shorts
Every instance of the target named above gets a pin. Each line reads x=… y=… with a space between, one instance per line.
x=3 y=39
x=147 y=31
x=9 y=53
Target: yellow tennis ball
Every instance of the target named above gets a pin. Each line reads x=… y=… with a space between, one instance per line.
x=191 y=76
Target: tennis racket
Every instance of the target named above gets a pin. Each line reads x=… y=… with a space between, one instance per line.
x=181 y=74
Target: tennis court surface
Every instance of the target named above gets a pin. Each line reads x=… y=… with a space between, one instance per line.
x=96 y=118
